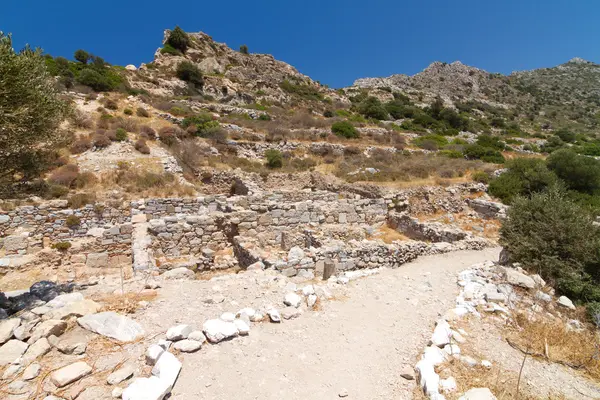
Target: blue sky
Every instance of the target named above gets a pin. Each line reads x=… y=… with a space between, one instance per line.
x=332 y=41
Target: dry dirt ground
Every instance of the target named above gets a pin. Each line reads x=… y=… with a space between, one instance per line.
x=356 y=344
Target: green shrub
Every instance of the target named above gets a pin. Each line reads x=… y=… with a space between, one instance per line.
x=142 y=112
x=308 y=92
x=328 y=114
x=579 y=173
x=274 y=158
x=82 y=56
x=492 y=142
x=371 y=107
x=128 y=111
x=524 y=177
x=480 y=176
x=430 y=142
x=72 y=221
x=554 y=237
x=62 y=246
x=451 y=153
x=189 y=72
x=487 y=154
x=121 y=134
x=244 y=49
x=168 y=49
x=264 y=117
x=345 y=129
x=178 y=39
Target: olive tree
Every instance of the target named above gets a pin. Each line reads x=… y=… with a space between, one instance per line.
x=30 y=110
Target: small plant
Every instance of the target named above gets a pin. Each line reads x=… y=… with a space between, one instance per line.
x=264 y=117
x=121 y=134
x=142 y=147
x=189 y=72
x=82 y=56
x=128 y=111
x=101 y=141
x=178 y=40
x=111 y=105
x=73 y=221
x=99 y=209
x=80 y=145
x=64 y=175
x=142 y=112
x=328 y=114
x=481 y=177
x=244 y=49
x=345 y=129
x=62 y=246
x=274 y=158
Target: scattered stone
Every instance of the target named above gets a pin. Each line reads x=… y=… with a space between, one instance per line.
x=70 y=373
x=31 y=372
x=64 y=300
x=448 y=385
x=486 y=364
x=441 y=334
x=434 y=355
x=197 y=336
x=290 y=312
x=566 y=302
x=274 y=315
x=242 y=327
x=215 y=299
x=76 y=309
x=36 y=350
x=117 y=392
x=112 y=325
x=468 y=361
x=74 y=341
x=311 y=300
x=546 y=298
x=248 y=312
x=97 y=260
x=167 y=369
x=47 y=328
x=18 y=387
x=538 y=280
x=181 y=273
x=228 y=317
x=407 y=373
x=217 y=330
x=343 y=393
x=7 y=327
x=11 y=371
x=12 y=350
x=257 y=266
x=517 y=278
x=292 y=299
x=153 y=354
x=179 y=332
x=308 y=290
x=452 y=349
x=123 y=373
x=187 y=346
x=151 y=388
x=478 y=394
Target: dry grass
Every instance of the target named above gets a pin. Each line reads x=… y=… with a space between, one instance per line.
x=125 y=303
x=388 y=235
x=552 y=341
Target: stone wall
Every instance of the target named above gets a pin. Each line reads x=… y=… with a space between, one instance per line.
x=428 y=231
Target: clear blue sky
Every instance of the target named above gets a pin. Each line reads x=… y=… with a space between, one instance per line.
x=332 y=41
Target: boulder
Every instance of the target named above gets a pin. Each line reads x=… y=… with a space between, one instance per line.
x=274 y=315
x=181 y=273
x=77 y=309
x=47 y=328
x=112 y=325
x=478 y=394
x=152 y=388
x=35 y=351
x=12 y=350
x=167 y=369
x=217 y=330
x=292 y=299
x=517 y=278
x=566 y=302
x=187 y=346
x=64 y=300
x=441 y=334
x=70 y=373
x=179 y=332
x=7 y=327
x=153 y=353
x=97 y=260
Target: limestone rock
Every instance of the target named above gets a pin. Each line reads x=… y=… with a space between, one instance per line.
x=73 y=342
x=228 y=317
x=112 y=325
x=121 y=374
x=153 y=353
x=566 y=302
x=434 y=355
x=448 y=385
x=64 y=300
x=441 y=334
x=70 y=373
x=97 y=260
x=12 y=350
x=478 y=394
x=152 y=388
x=167 y=369
x=292 y=299
x=242 y=327
x=197 y=336
x=217 y=330
x=179 y=332
x=311 y=300
x=47 y=328
x=76 y=309
x=31 y=372
x=7 y=327
x=187 y=346
x=36 y=350
x=290 y=312
x=517 y=278
x=274 y=315
x=181 y=273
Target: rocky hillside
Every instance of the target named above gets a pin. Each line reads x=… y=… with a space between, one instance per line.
x=230 y=76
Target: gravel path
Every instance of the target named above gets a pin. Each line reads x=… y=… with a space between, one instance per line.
x=357 y=344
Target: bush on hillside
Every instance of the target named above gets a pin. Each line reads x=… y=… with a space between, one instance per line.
x=121 y=134
x=372 y=108
x=178 y=39
x=552 y=236
x=82 y=56
x=524 y=177
x=189 y=72
x=580 y=173
x=345 y=129
x=244 y=49
x=274 y=158
x=487 y=154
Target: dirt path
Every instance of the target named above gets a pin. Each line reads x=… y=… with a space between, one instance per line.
x=357 y=344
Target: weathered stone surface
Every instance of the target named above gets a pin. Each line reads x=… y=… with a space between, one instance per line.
x=167 y=369
x=152 y=388
x=441 y=334
x=153 y=353
x=187 y=346
x=292 y=299
x=518 y=279
x=566 y=302
x=97 y=260
x=7 y=327
x=242 y=327
x=31 y=372
x=274 y=315
x=36 y=350
x=434 y=355
x=70 y=373
x=178 y=332
x=290 y=312
x=228 y=317
x=74 y=341
x=217 y=330
x=198 y=336
x=12 y=350
x=121 y=374
x=64 y=299
x=76 y=309
x=15 y=243
x=311 y=300
x=47 y=328
x=181 y=273
x=478 y=394
x=112 y=325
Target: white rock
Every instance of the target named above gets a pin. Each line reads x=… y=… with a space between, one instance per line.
x=64 y=299
x=242 y=327
x=292 y=300
x=516 y=278
x=566 y=302
x=248 y=312
x=152 y=388
x=295 y=254
x=467 y=360
x=434 y=355
x=70 y=373
x=228 y=317
x=458 y=337
x=308 y=290
x=217 y=330
x=546 y=298
x=167 y=369
x=165 y=344
x=181 y=273
x=257 y=266
x=486 y=364
x=198 y=336
x=428 y=379
x=441 y=334
x=7 y=327
x=478 y=394
x=187 y=346
x=179 y=332
x=117 y=393
x=311 y=300
x=153 y=354
x=36 y=350
x=290 y=312
x=452 y=349
x=448 y=385
x=274 y=315
x=112 y=325
x=47 y=328
x=12 y=350
x=121 y=374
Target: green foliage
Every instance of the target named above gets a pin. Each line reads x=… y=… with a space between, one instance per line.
x=31 y=112
x=481 y=177
x=453 y=119
x=553 y=144
x=62 y=246
x=274 y=158
x=204 y=124
x=305 y=91
x=371 y=107
x=178 y=40
x=430 y=142
x=82 y=56
x=487 y=154
x=579 y=173
x=128 y=111
x=244 y=49
x=121 y=134
x=72 y=221
x=566 y=135
x=492 y=142
x=168 y=49
x=524 y=177
x=554 y=237
x=264 y=117
x=345 y=129
x=189 y=72
x=328 y=114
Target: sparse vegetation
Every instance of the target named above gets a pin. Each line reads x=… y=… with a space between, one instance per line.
x=344 y=129
x=72 y=221
x=189 y=72
x=178 y=40
x=274 y=158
